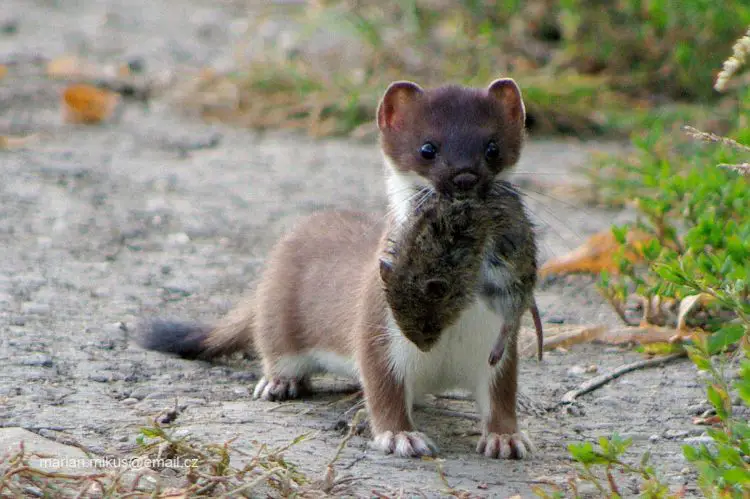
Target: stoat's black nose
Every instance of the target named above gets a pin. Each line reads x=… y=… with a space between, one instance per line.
x=465 y=181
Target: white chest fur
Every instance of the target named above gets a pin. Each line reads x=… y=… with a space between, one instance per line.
x=458 y=360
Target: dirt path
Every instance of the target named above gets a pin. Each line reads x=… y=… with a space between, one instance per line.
x=100 y=225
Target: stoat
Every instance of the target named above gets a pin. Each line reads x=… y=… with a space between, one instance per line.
x=321 y=303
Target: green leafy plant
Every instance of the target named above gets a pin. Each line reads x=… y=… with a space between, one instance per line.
x=696 y=218
x=724 y=466
x=599 y=464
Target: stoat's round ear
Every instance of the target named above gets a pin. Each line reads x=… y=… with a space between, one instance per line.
x=507 y=92
x=397 y=97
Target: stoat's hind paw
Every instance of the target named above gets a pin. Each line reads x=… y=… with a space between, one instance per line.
x=404 y=444
x=505 y=446
x=277 y=389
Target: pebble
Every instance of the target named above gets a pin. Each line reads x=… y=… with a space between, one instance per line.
x=139 y=393
x=673 y=434
x=609 y=401
x=702 y=439
x=9 y=27
x=178 y=239
x=130 y=401
x=577 y=371
x=18 y=320
x=555 y=319
x=697 y=409
x=40 y=360
x=654 y=438
x=158 y=395
x=243 y=376
x=116 y=328
x=101 y=292
x=181 y=286
x=99 y=378
x=35 y=308
x=241 y=392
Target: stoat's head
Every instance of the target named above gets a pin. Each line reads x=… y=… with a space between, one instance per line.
x=452 y=139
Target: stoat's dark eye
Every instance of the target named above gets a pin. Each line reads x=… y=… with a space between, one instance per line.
x=428 y=150
x=492 y=152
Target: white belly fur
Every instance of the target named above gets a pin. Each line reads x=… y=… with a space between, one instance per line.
x=458 y=360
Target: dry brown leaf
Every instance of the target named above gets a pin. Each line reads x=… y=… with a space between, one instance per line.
x=645 y=335
x=596 y=254
x=87 y=104
x=689 y=303
x=10 y=142
x=67 y=67
x=559 y=337
x=708 y=421
x=3 y=71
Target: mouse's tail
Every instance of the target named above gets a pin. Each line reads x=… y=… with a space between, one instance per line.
x=198 y=341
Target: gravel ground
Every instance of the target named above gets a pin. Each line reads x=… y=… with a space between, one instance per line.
x=100 y=225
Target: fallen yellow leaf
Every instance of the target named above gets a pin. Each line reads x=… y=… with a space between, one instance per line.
x=88 y=104
x=3 y=71
x=65 y=67
x=596 y=254
x=10 y=142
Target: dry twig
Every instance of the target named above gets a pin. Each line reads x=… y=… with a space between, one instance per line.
x=603 y=379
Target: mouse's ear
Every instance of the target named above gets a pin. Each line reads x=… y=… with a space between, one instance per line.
x=507 y=92
x=397 y=97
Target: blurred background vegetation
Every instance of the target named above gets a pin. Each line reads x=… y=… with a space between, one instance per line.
x=586 y=67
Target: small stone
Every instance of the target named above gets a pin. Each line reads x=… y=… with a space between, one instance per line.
x=591 y=369
x=99 y=378
x=39 y=360
x=32 y=308
x=555 y=319
x=697 y=409
x=9 y=27
x=702 y=439
x=136 y=64
x=587 y=490
x=158 y=395
x=130 y=401
x=577 y=371
x=115 y=328
x=139 y=393
x=44 y=242
x=674 y=434
x=609 y=401
x=18 y=320
x=181 y=286
x=178 y=239
x=654 y=438
x=241 y=392
x=101 y=293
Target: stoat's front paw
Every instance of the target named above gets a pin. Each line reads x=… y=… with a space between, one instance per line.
x=278 y=389
x=505 y=446
x=404 y=444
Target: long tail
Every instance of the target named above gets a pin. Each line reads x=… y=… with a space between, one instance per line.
x=198 y=341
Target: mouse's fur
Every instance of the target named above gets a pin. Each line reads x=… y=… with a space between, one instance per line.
x=431 y=268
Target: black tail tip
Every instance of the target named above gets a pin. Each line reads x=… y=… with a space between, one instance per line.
x=185 y=339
